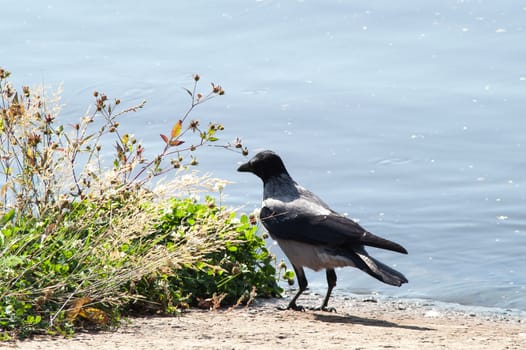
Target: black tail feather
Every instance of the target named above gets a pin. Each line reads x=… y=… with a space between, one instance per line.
x=381 y=271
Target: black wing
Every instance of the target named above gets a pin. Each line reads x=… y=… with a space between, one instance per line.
x=331 y=230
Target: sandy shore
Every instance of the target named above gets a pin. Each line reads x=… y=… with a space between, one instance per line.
x=359 y=323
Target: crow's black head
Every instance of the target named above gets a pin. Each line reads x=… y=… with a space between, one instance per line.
x=265 y=164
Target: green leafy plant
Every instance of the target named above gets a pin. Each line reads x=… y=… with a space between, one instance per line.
x=109 y=258
x=82 y=244
x=237 y=271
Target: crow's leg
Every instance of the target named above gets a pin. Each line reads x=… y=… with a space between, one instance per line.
x=302 y=281
x=331 y=282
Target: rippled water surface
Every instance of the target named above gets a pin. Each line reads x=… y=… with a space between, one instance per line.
x=409 y=116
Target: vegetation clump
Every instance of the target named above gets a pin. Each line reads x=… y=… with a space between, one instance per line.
x=82 y=244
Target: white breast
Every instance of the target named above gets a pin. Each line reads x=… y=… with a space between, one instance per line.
x=313 y=257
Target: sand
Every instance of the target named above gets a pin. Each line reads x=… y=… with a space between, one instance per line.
x=359 y=323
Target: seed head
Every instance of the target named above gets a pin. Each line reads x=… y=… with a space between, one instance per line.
x=194 y=124
x=176 y=164
x=252 y=219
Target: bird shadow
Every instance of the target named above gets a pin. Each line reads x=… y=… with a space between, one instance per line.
x=332 y=318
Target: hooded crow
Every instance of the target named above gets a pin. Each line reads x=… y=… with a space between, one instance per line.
x=311 y=234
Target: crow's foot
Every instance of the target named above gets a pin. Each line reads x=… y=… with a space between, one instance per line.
x=323 y=308
x=292 y=306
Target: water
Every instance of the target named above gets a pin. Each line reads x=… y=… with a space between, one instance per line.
x=408 y=116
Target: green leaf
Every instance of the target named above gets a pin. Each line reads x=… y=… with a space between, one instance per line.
x=7 y=217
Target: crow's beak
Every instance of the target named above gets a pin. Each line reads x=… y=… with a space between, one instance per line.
x=245 y=167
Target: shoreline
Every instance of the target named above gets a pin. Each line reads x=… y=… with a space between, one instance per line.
x=361 y=322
